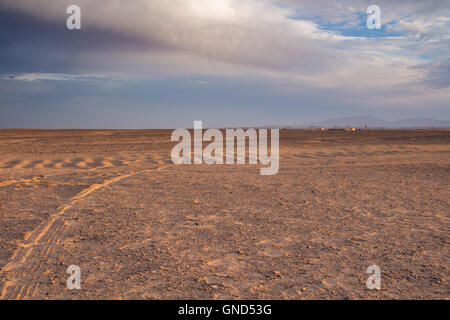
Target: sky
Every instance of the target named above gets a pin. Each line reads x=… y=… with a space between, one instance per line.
x=229 y=63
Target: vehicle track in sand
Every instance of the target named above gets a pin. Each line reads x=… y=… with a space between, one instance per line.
x=21 y=274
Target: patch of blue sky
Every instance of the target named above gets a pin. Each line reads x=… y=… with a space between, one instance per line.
x=426 y=58
x=354 y=28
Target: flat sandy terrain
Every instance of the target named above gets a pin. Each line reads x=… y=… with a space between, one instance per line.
x=113 y=203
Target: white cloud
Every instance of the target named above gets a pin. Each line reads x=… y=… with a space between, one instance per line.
x=53 y=77
x=260 y=38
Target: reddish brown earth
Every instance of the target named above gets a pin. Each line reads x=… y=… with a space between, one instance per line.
x=113 y=203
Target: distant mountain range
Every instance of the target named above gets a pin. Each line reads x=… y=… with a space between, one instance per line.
x=372 y=122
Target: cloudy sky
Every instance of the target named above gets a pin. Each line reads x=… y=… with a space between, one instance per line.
x=166 y=63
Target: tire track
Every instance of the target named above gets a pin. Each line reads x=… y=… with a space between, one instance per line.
x=89 y=164
x=21 y=275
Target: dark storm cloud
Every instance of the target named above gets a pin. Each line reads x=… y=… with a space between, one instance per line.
x=30 y=44
x=247 y=34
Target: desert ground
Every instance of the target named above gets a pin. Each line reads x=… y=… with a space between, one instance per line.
x=140 y=227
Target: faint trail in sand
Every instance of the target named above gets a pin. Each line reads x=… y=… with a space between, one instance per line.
x=59 y=164
x=21 y=274
x=8 y=182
